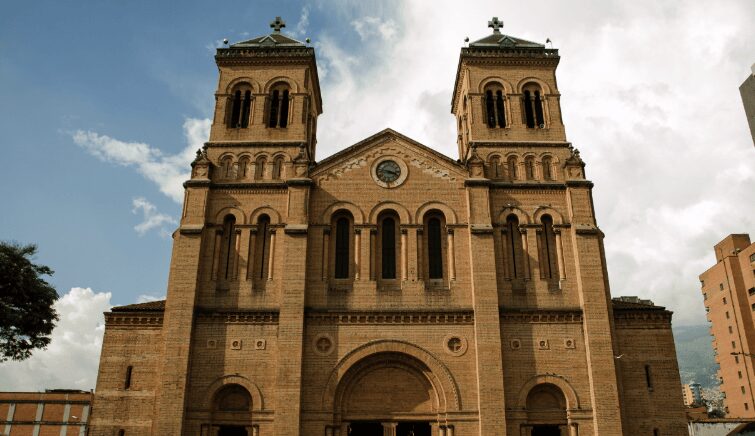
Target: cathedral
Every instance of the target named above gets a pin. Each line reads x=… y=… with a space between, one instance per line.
x=388 y=289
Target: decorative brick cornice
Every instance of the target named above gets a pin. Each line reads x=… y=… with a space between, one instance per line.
x=249 y=185
x=534 y=186
x=541 y=316
x=579 y=184
x=245 y=317
x=390 y=317
x=134 y=319
x=642 y=319
x=271 y=144
x=477 y=182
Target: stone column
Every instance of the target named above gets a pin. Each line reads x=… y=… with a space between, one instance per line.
x=389 y=428
x=250 y=256
x=505 y=254
x=525 y=253
x=271 y=257
x=237 y=255
x=420 y=256
x=373 y=254
x=560 y=255
x=357 y=252
x=404 y=259
x=451 y=255
x=325 y=254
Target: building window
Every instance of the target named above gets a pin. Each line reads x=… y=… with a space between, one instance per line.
x=727 y=314
x=278 y=102
x=121 y=432
x=516 y=253
x=731 y=330
x=753 y=306
x=705 y=296
x=259 y=168
x=739 y=373
x=387 y=232
x=494 y=107
x=243 y=168
x=721 y=286
x=742 y=388
x=648 y=378
x=751 y=291
x=511 y=165
x=724 y=300
x=752 y=257
x=127 y=381
x=434 y=248
x=533 y=107
x=228 y=248
x=343 y=237
x=549 y=266
x=494 y=171
x=529 y=168
x=239 y=107
x=656 y=432
x=733 y=344
x=747 y=407
x=262 y=251
x=547 y=173
x=277 y=167
x=736 y=359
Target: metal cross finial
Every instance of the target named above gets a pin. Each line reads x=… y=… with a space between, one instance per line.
x=277 y=24
x=496 y=24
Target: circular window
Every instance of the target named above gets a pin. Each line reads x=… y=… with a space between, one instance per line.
x=455 y=344
x=323 y=344
x=389 y=171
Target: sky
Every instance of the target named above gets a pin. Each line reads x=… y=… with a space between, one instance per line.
x=103 y=104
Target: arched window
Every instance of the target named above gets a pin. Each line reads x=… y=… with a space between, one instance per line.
x=278 y=102
x=547 y=171
x=233 y=398
x=529 y=168
x=511 y=164
x=228 y=248
x=226 y=167
x=243 y=168
x=548 y=260
x=514 y=244
x=495 y=115
x=533 y=107
x=388 y=239
x=342 y=247
x=259 y=169
x=262 y=249
x=239 y=108
x=277 y=167
x=495 y=168
x=434 y=226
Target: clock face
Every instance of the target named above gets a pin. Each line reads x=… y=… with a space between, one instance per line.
x=388 y=171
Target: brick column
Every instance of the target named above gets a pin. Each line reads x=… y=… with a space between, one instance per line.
x=485 y=303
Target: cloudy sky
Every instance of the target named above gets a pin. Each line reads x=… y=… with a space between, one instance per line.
x=103 y=104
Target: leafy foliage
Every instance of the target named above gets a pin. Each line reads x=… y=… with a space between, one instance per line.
x=27 y=315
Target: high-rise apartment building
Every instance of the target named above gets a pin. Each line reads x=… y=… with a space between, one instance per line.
x=747 y=90
x=729 y=292
x=692 y=394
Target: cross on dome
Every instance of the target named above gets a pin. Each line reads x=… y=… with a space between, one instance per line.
x=278 y=23
x=496 y=24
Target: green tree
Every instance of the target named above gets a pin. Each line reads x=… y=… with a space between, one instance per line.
x=27 y=315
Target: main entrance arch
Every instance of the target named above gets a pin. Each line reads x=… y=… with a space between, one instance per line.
x=390 y=387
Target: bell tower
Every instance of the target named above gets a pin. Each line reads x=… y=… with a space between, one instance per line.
x=268 y=95
x=505 y=93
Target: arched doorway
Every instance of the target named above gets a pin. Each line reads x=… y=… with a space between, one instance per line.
x=387 y=393
x=231 y=411
x=546 y=411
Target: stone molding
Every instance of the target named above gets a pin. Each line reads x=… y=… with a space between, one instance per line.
x=541 y=316
x=390 y=317
x=263 y=317
x=140 y=320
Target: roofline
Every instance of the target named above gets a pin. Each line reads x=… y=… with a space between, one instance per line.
x=387 y=131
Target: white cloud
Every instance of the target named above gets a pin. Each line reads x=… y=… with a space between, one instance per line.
x=145 y=298
x=303 y=24
x=72 y=358
x=152 y=219
x=367 y=27
x=167 y=171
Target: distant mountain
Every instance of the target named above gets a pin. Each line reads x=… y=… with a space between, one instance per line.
x=694 y=353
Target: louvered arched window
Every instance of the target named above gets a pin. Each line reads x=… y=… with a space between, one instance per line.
x=239 y=112
x=532 y=102
x=495 y=115
x=278 y=106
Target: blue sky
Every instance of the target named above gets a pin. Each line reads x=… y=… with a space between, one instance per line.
x=103 y=103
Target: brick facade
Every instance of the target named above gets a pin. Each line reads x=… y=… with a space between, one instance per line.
x=292 y=310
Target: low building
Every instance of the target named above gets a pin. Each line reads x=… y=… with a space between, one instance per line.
x=54 y=412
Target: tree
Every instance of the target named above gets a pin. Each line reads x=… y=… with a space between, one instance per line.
x=27 y=315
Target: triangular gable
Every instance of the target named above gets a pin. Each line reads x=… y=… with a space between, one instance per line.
x=416 y=154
